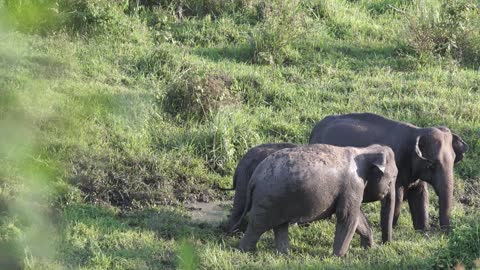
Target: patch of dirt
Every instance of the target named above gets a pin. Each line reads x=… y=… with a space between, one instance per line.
x=210 y=212
x=471 y=194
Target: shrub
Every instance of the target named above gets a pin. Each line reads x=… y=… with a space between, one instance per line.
x=224 y=140
x=11 y=252
x=161 y=63
x=378 y=7
x=449 y=30
x=127 y=181
x=31 y=16
x=281 y=24
x=189 y=8
x=344 y=20
x=463 y=247
x=471 y=46
x=98 y=16
x=205 y=32
x=118 y=180
x=77 y=16
x=199 y=95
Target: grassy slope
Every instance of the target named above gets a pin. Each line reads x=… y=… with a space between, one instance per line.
x=92 y=110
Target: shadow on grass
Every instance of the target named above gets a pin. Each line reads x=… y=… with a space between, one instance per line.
x=350 y=55
x=47 y=66
x=145 y=238
x=359 y=57
x=151 y=238
x=172 y=224
x=10 y=257
x=239 y=54
x=42 y=66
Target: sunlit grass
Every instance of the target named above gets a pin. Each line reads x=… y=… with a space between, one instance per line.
x=83 y=127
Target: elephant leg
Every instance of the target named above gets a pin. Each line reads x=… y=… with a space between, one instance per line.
x=281 y=238
x=386 y=215
x=418 y=201
x=398 y=205
x=347 y=221
x=250 y=239
x=364 y=229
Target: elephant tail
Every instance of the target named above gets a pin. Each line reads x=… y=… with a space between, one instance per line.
x=248 y=205
x=234 y=183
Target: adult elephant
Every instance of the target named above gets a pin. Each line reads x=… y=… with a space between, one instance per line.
x=420 y=153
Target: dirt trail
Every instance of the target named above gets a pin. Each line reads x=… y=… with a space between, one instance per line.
x=211 y=212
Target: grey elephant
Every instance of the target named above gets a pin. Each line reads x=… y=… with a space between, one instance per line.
x=257 y=154
x=307 y=183
x=242 y=175
x=420 y=153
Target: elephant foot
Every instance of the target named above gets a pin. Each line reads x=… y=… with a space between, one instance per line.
x=250 y=239
x=247 y=249
x=366 y=243
x=422 y=228
x=247 y=246
x=281 y=238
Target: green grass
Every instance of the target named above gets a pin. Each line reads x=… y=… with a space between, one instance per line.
x=96 y=162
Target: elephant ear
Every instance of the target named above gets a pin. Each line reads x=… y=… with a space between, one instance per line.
x=377 y=162
x=420 y=150
x=459 y=146
x=371 y=166
x=419 y=145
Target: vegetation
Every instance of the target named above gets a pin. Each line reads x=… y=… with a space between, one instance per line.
x=115 y=114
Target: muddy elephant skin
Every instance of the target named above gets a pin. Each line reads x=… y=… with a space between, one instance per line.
x=257 y=154
x=312 y=182
x=242 y=175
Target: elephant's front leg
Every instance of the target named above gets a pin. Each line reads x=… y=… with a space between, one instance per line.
x=386 y=215
x=418 y=201
x=281 y=238
x=398 y=204
x=364 y=229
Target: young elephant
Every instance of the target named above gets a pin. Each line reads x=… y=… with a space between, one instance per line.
x=312 y=182
x=242 y=175
x=257 y=154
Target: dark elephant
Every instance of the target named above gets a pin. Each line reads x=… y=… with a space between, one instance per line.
x=242 y=175
x=420 y=153
x=312 y=182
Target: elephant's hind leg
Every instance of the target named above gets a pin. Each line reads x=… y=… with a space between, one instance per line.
x=364 y=229
x=418 y=202
x=347 y=221
x=250 y=239
x=281 y=238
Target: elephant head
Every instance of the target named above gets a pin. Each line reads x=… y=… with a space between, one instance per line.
x=380 y=174
x=436 y=151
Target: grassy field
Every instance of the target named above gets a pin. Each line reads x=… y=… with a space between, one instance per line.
x=115 y=114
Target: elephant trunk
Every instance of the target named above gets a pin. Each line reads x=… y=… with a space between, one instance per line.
x=444 y=190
